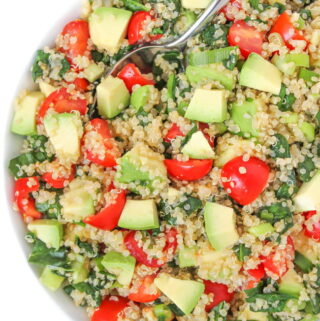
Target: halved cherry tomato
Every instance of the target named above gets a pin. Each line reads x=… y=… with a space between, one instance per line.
x=173 y=133
x=220 y=293
x=284 y=27
x=229 y=10
x=61 y=101
x=99 y=146
x=256 y=275
x=315 y=232
x=107 y=219
x=131 y=76
x=136 y=26
x=210 y=139
x=57 y=181
x=245 y=180
x=111 y=309
x=81 y=84
x=277 y=262
x=246 y=37
x=76 y=36
x=191 y=170
x=143 y=258
x=25 y=203
x=145 y=290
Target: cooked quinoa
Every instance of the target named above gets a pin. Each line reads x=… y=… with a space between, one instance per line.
x=190 y=192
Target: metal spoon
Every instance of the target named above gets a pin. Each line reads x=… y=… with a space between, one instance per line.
x=143 y=56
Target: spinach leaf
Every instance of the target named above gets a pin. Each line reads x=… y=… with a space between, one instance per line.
x=175 y=310
x=281 y=149
x=313 y=305
x=16 y=164
x=120 y=54
x=42 y=255
x=252 y=292
x=189 y=134
x=134 y=5
x=215 y=35
x=165 y=212
x=242 y=251
x=52 y=210
x=286 y=190
x=231 y=62
x=41 y=57
x=281 y=7
x=274 y=213
x=86 y=248
x=218 y=313
x=98 y=56
x=257 y=5
x=65 y=66
x=191 y=205
x=286 y=101
x=274 y=302
x=305 y=169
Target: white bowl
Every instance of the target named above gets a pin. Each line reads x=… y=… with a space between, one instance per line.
x=11 y=147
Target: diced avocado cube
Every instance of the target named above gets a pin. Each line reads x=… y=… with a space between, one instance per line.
x=195 y=4
x=260 y=74
x=290 y=118
x=187 y=257
x=243 y=116
x=185 y=294
x=163 y=313
x=120 y=265
x=287 y=67
x=291 y=284
x=299 y=59
x=100 y=22
x=48 y=231
x=141 y=167
x=139 y=215
x=51 y=280
x=308 y=131
x=79 y=268
x=140 y=97
x=220 y=226
x=208 y=106
x=112 y=96
x=46 y=88
x=93 y=72
x=209 y=73
x=261 y=229
x=78 y=202
x=65 y=132
x=307 y=198
x=198 y=147
x=24 y=119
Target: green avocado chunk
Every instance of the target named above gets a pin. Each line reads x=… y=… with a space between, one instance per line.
x=140 y=97
x=291 y=284
x=187 y=257
x=198 y=147
x=120 y=265
x=48 y=231
x=139 y=215
x=51 y=280
x=243 y=116
x=184 y=293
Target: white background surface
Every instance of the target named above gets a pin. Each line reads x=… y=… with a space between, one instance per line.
x=23 y=26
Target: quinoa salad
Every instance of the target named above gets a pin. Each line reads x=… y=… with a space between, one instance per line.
x=191 y=192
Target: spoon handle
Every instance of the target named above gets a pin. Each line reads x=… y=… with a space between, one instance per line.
x=212 y=9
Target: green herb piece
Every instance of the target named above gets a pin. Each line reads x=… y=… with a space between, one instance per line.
x=134 y=5
x=41 y=57
x=65 y=66
x=281 y=149
x=191 y=205
x=242 y=251
x=274 y=213
x=215 y=35
x=175 y=310
x=286 y=101
x=305 y=169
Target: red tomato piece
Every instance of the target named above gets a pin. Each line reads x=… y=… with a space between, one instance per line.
x=142 y=257
x=61 y=101
x=191 y=170
x=58 y=181
x=232 y=8
x=81 y=84
x=210 y=139
x=111 y=309
x=173 y=133
x=245 y=180
x=107 y=219
x=246 y=37
x=99 y=146
x=76 y=36
x=131 y=76
x=145 y=290
x=314 y=233
x=256 y=275
x=278 y=261
x=25 y=203
x=220 y=293
x=284 y=27
x=136 y=26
